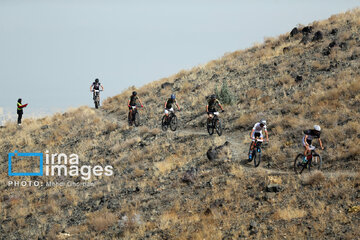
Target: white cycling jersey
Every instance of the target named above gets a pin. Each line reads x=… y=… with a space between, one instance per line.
x=258 y=128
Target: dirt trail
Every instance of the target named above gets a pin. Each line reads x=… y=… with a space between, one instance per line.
x=239 y=150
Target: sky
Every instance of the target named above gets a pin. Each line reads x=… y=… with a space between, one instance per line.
x=51 y=51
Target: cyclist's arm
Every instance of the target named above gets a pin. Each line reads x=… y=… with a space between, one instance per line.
x=91 y=88
x=306 y=144
x=252 y=132
x=102 y=87
x=177 y=105
x=267 y=135
x=321 y=145
x=129 y=103
x=207 y=108
x=165 y=104
x=140 y=102
x=221 y=106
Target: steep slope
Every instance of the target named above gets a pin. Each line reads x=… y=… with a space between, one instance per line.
x=164 y=187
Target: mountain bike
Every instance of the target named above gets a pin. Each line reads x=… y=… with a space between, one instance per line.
x=170 y=120
x=255 y=154
x=135 y=117
x=96 y=98
x=315 y=161
x=214 y=123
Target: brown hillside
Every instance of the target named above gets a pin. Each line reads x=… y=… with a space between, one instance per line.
x=164 y=186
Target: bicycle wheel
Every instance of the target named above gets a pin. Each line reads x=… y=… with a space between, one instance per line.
x=173 y=123
x=96 y=104
x=210 y=127
x=299 y=166
x=316 y=162
x=218 y=127
x=164 y=125
x=257 y=156
x=137 y=119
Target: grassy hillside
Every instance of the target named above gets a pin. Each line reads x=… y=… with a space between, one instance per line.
x=164 y=187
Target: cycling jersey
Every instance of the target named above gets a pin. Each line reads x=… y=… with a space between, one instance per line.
x=258 y=128
x=212 y=104
x=170 y=102
x=96 y=86
x=311 y=135
x=133 y=100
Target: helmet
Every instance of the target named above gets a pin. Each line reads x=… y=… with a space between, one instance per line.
x=172 y=96
x=263 y=122
x=134 y=93
x=317 y=128
x=213 y=96
x=96 y=80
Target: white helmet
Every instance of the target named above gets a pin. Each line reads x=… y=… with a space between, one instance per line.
x=317 y=128
x=263 y=121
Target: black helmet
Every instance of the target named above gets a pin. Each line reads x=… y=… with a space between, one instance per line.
x=134 y=93
x=19 y=100
x=213 y=96
x=96 y=80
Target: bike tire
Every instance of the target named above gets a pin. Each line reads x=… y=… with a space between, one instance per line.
x=256 y=157
x=137 y=119
x=218 y=127
x=316 y=162
x=173 y=123
x=96 y=104
x=164 y=126
x=299 y=166
x=210 y=127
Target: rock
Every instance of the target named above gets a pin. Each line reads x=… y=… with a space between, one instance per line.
x=189 y=176
x=332 y=44
x=343 y=45
x=217 y=152
x=318 y=36
x=306 y=30
x=286 y=49
x=298 y=78
x=294 y=31
x=253 y=227
x=326 y=51
x=45 y=127
x=334 y=31
x=305 y=39
x=166 y=84
x=273 y=188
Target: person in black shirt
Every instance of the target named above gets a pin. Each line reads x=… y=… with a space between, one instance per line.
x=96 y=86
x=132 y=102
x=211 y=108
x=169 y=104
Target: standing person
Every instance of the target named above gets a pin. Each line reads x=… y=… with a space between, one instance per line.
x=20 y=110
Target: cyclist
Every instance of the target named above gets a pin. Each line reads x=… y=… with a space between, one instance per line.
x=169 y=105
x=256 y=132
x=96 y=86
x=211 y=107
x=20 y=110
x=310 y=135
x=132 y=103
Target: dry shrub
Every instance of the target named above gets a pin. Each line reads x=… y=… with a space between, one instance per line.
x=285 y=79
x=101 y=220
x=313 y=178
x=246 y=121
x=253 y=93
x=289 y=213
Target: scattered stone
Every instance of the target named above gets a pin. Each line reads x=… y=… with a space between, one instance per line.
x=306 y=30
x=166 y=84
x=273 y=188
x=286 y=50
x=332 y=44
x=318 y=36
x=343 y=45
x=253 y=227
x=298 y=78
x=45 y=127
x=334 y=31
x=305 y=39
x=294 y=31
x=189 y=176
x=217 y=152
x=326 y=51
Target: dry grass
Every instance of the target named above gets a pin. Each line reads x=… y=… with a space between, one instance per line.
x=101 y=220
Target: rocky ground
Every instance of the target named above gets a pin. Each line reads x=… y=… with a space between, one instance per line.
x=164 y=185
